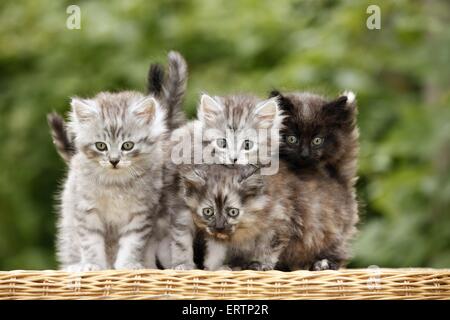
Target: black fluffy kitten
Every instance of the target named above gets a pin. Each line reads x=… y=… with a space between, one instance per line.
x=320 y=135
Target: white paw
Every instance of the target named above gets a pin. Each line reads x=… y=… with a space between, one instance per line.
x=129 y=266
x=83 y=267
x=185 y=266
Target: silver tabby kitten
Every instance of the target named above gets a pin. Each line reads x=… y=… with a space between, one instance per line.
x=168 y=89
x=110 y=197
x=235 y=129
x=228 y=126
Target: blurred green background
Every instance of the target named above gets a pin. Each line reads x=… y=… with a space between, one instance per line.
x=400 y=74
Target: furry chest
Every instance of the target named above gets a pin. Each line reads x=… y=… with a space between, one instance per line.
x=117 y=208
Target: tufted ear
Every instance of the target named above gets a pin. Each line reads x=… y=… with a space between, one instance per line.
x=346 y=100
x=351 y=97
x=145 y=109
x=209 y=109
x=274 y=93
x=267 y=113
x=338 y=103
x=250 y=180
x=343 y=109
x=193 y=176
x=84 y=109
x=284 y=103
x=246 y=171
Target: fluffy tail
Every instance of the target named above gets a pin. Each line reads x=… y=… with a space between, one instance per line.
x=170 y=89
x=176 y=88
x=155 y=80
x=63 y=143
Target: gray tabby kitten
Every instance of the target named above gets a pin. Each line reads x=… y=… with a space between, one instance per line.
x=170 y=90
x=232 y=127
x=227 y=125
x=111 y=195
x=258 y=222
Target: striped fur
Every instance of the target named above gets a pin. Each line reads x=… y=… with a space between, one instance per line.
x=170 y=89
x=63 y=143
x=155 y=79
x=109 y=203
x=285 y=221
x=235 y=118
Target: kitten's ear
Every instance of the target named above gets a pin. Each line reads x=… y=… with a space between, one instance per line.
x=351 y=97
x=267 y=113
x=346 y=100
x=343 y=109
x=340 y=102
x=284 y=103
x=247 y=171
x=251 y=182
x=145 y=109
x=209 y=109
x=193 y=176
x=274 y=93
x=84 y=109
x=200 y=171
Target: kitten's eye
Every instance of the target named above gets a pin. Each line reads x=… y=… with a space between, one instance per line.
x=208 y=212
x=222 y=143
x=292 y=139
x=248 y=144
x=317 y=141
x=233 y=212
x=101 y=146
x=127 y=146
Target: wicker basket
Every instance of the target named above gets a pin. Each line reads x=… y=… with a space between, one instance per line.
x=169 y=284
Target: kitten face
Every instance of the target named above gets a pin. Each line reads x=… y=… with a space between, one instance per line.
x=117 y=132
x=223 y=200
x=316 y=132
x=240 y=129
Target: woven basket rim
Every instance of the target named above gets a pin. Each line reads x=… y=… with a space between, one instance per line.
x=369 y=283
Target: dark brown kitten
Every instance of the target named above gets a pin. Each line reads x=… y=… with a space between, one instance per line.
x=288 y=221
x=323 y=213
x=320 y=135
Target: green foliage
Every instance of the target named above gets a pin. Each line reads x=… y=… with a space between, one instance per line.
x=400 y=74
